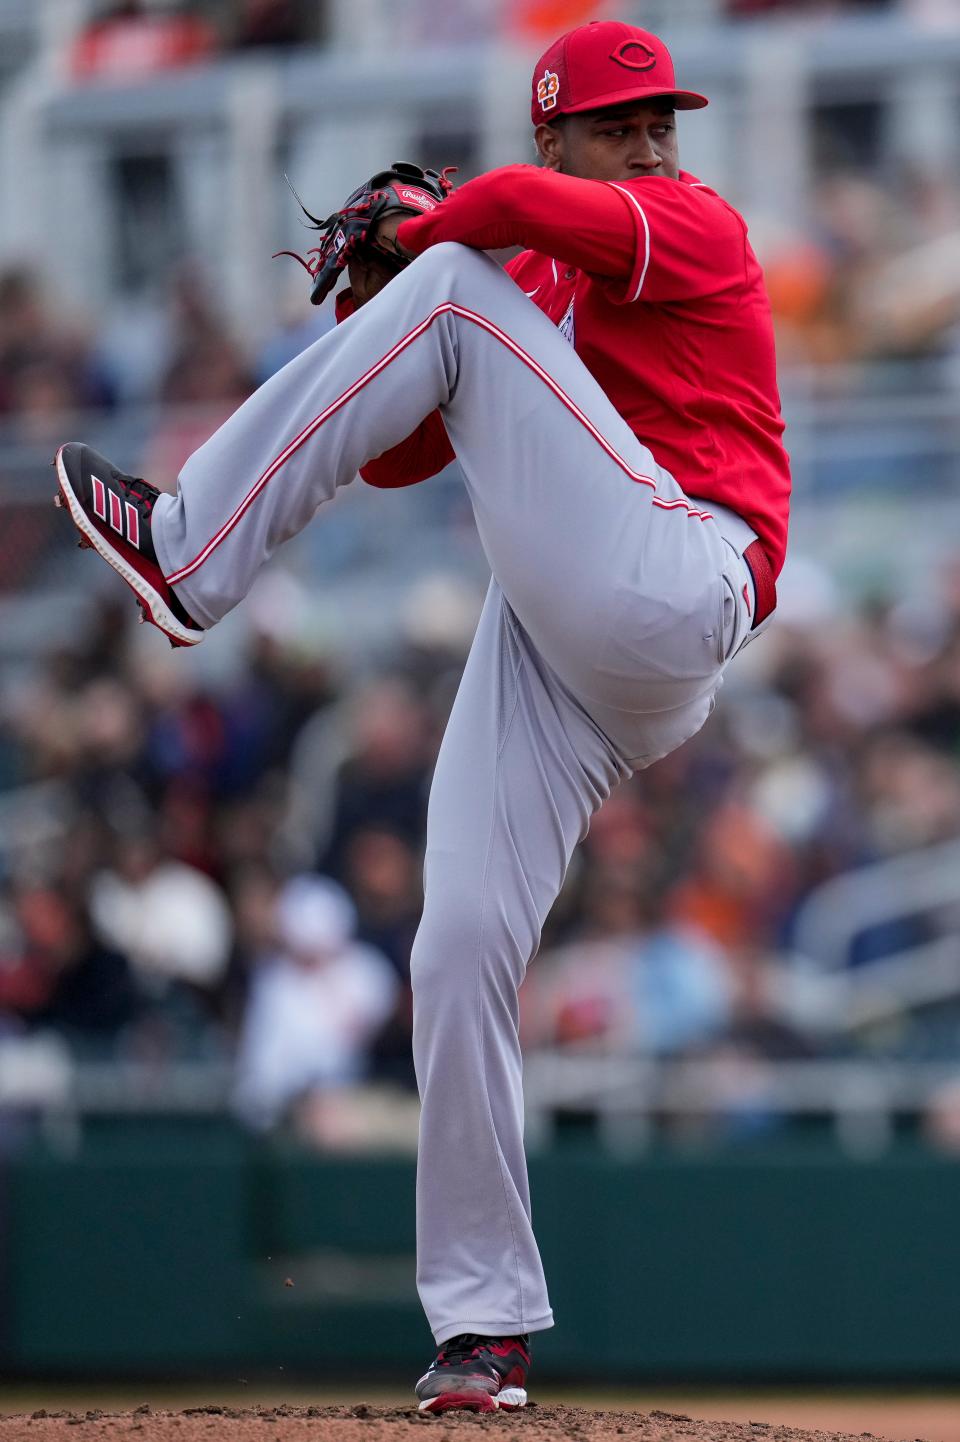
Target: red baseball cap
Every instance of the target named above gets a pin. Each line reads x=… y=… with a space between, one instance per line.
x=605 y=63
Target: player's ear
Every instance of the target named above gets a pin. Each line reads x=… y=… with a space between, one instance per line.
x=549 y=142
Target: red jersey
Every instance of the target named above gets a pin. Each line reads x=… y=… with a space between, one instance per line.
x=654 y=283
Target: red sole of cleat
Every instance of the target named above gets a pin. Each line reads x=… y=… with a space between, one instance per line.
x=460 y=1402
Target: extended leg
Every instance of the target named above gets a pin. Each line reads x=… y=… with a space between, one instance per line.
x=521 y=770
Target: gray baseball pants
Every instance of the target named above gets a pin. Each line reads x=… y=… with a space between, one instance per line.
x=614 y=606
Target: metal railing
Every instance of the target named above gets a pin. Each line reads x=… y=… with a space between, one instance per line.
x=921 y=888
x=925 y=882
x=631 y=1097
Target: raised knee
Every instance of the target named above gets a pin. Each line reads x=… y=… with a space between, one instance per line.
x=456 y=263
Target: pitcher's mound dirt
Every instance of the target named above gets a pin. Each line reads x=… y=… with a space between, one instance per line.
x=389 y=1424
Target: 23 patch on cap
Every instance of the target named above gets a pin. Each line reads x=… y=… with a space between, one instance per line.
x=547 y=90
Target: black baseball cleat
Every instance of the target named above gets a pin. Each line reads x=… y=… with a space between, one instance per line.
x=476 y=1374
x=112 y=512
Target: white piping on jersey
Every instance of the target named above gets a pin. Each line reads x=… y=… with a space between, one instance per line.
x=646 y=229
x=556 y=278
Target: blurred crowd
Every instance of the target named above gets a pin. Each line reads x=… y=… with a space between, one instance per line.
x=126 y=36
x=874 y=273
x=228 y=871
x=232 y=872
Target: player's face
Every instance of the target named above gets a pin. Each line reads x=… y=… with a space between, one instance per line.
x=625 y=142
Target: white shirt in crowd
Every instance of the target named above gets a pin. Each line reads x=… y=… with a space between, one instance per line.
x=314 y=1008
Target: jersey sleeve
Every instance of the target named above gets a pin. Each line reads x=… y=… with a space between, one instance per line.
x=653 y=239
x=423 y=453
x=688 y=243
x=579 y=222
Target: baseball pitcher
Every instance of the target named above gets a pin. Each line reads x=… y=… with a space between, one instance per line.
x=611 y=398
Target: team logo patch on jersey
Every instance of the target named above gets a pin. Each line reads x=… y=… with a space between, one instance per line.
x=635 y=55
x=547 y=90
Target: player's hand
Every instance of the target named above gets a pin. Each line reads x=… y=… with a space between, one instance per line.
x=385 y=234
x=368 y=275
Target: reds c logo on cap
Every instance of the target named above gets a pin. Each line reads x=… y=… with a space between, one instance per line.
x=645 y=59
x=547 y=90
x=605 y=63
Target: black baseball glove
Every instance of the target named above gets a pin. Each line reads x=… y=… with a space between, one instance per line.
x=348 y=232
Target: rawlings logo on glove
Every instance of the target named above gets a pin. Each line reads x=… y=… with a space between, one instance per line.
x=404 y=188
x=417 y=198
